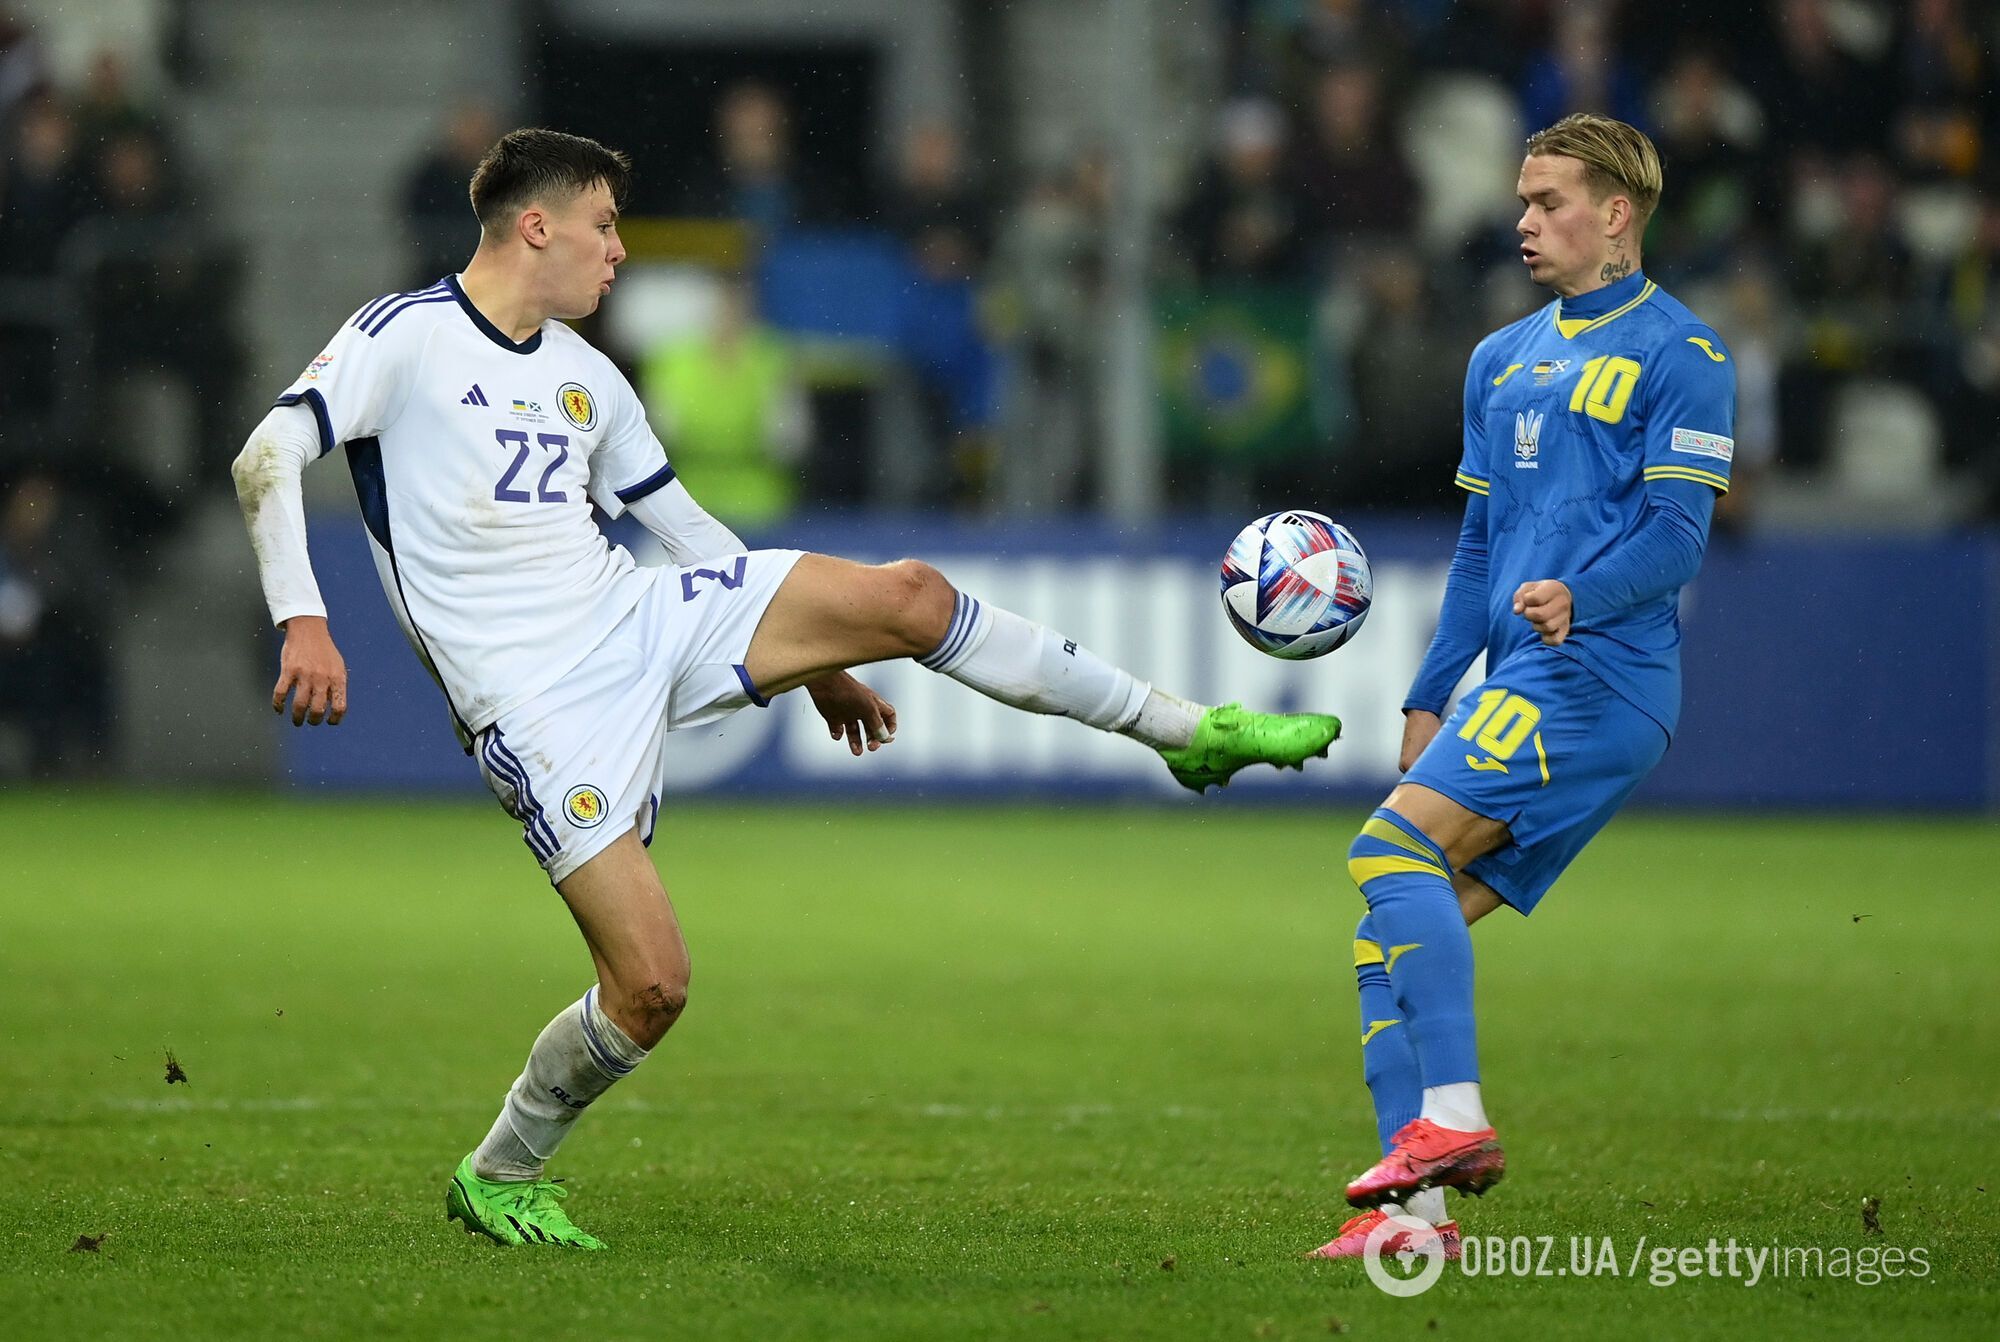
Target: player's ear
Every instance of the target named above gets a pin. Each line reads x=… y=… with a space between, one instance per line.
x=1620 y=216
x=533 y=226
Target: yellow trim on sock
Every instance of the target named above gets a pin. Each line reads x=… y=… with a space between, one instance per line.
x=1396 y=951
x=1367 y=952
x=1365 y=869
x=1376 y=828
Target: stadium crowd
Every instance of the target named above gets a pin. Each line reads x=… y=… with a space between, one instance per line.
x=1326 y=256
x=1833 y=200
x=108 y=432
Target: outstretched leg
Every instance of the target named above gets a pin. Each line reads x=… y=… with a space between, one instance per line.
x=833 y=614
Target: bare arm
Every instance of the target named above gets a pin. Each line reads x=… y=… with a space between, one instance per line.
x=267 y=474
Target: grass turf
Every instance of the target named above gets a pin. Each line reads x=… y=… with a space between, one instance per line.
x=968 y=1073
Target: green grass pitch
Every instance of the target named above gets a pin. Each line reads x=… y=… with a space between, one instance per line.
x=969 y=1073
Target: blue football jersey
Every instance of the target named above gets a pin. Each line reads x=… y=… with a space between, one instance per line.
x=1569 y=413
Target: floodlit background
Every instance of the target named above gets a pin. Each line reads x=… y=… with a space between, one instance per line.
x=1056 y=292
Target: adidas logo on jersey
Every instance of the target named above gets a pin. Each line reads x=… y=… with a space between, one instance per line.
x=473 y=397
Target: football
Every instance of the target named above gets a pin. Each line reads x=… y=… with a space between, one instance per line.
x=1296 y=584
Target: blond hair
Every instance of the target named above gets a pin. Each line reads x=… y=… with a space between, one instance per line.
x=1615 y=157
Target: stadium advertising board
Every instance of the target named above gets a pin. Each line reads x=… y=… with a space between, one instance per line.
x=1793 y=695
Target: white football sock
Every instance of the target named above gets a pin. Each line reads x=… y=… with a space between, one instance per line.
x=1456 y=1106
x=1028 y=666
x=575 y=1059
x=1426 y=1206
x=1166 y=722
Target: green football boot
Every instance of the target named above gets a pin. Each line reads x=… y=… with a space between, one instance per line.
x=1229 y=738
x=512 y=1213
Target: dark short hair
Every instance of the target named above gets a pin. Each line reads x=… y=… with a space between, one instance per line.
x=531 y=164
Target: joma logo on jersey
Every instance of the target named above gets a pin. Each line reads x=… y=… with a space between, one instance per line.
x=1527 y=440
x=577 y=406
x=1548 y=370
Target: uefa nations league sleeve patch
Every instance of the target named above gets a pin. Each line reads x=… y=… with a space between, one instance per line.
x=1697 y=444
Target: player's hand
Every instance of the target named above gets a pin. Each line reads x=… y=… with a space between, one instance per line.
x=1419 y=726
x=311 y=671
x=1546 y=606
x=854 y=711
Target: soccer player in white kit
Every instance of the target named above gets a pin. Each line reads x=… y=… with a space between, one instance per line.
x=480 y=430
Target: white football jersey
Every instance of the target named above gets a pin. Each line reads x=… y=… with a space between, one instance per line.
x=476 y=460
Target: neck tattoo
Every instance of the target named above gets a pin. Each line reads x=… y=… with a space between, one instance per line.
x=1615 y=270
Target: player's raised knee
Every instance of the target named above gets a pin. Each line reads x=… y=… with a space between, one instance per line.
x=917 y=604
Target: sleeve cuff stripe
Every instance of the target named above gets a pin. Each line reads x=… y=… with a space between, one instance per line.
x=1466 y=482
x=317 y=403
x=658 y=480
x=1720 y=482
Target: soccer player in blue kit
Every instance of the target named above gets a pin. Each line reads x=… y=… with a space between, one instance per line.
x=1597 y=437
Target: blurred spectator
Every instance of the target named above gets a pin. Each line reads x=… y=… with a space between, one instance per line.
x=935 y=207
x=151 y=269
x=22 y=73
x=1581 y=70
x=1331 y=33
x=1709 y=129
x=1352 y=178
x=1820 y=97
x=1970 y=356
x=43 y=192
x=134 y=180
x=936 y=210
x=1241 y=222
x=1750 y=320
x=1853 y=280
x=108 y=108
x=1049 y=274
x=732 y=411
x=55 y=680
x=1944 y=79
x=1483 y=36
x=436 y=200
x=1850 y=284
x=1402 y=356
x=754 y=179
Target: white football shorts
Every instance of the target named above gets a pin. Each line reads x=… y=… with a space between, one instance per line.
x=583 y=761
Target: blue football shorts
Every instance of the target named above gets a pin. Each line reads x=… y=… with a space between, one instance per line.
x=1550 y=751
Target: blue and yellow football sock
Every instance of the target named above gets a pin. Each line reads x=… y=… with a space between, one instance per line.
x=1388 y=1060
x=1426 y=946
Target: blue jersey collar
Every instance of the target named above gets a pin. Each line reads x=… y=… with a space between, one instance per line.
x=487 y=328
x=1600 y=301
